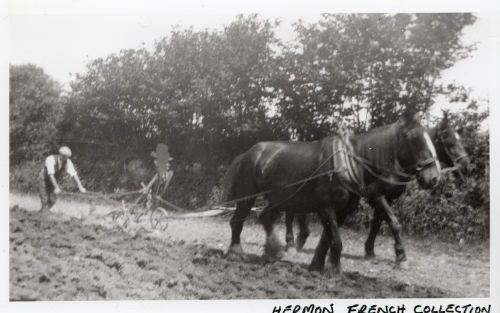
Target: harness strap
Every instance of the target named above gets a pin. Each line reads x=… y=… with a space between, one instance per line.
x=302 y=181
x=351 y=180
x=368 y=163
x=370 y=166
x=382 y=178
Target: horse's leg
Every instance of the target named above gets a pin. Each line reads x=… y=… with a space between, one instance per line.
x=352 y=204
x=273 y=249
x=330 y=238
x=241 y=213
x=318 y=260
x=388 y=214
x=374 y=228
x=303 y=231
x=290 y=239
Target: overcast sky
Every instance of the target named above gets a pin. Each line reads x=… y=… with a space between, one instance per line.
x=64 y=35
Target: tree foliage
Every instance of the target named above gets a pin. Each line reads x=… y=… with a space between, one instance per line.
x=35 y=107
x=199 y=91
x=364 y=69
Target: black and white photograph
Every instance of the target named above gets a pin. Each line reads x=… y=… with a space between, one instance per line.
x=187 y=151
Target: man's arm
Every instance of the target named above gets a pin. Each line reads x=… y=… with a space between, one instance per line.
x=79 y=183
x=169 y=175
x=53 y=180
x=70 y=169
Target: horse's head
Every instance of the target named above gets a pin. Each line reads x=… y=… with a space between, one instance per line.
x=449 y=146
x=416 y=152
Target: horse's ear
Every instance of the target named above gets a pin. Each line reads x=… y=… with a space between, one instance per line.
x=417 y=117
x=411 y=116
x=445 y=121
x=409 y=110
x=445 y=115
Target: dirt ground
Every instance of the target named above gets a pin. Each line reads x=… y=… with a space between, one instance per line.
x=75 y=253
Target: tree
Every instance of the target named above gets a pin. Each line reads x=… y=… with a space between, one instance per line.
x=35 y=109
x=203 y=92
x=365 y=68
x=216 y=83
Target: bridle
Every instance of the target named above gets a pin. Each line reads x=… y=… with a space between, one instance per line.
x=453 y=159
x=420 y=165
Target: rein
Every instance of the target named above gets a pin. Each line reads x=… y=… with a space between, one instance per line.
x=366 y=164
x=99 y=195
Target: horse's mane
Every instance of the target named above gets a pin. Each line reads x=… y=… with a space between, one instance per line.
x=379 y=146
x=438 y=143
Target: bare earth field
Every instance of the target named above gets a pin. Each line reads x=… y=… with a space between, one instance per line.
x=75 y=253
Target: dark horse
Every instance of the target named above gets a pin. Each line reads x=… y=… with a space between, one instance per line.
x=449 y=151
x=309 y=177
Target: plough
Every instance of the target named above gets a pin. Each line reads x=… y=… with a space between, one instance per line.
x=149 y=201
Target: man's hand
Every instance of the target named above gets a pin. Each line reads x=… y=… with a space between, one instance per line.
x=57 y=190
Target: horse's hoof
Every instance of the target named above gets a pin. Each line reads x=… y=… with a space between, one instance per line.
x=273 y=253
x=300 y=243
x=291 y=251
x=402 y=265
x=370 y=256
x=333 y=272
x=272 y=258
x=235 y=253
x=45 y=214
x=274 y=250
x=316 y=267
x=300 y=247
x=231 y=256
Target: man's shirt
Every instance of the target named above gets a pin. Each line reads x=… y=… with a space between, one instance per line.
x=54 y=165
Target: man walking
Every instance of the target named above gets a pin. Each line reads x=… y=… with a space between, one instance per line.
x=54 y=167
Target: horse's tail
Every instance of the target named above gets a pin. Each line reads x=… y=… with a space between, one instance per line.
x=229 y=178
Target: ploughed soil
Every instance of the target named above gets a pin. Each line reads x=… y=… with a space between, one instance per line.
x=77 y=253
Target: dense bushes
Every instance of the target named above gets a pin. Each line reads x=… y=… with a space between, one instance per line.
x=454 y=211
x=23 y=177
